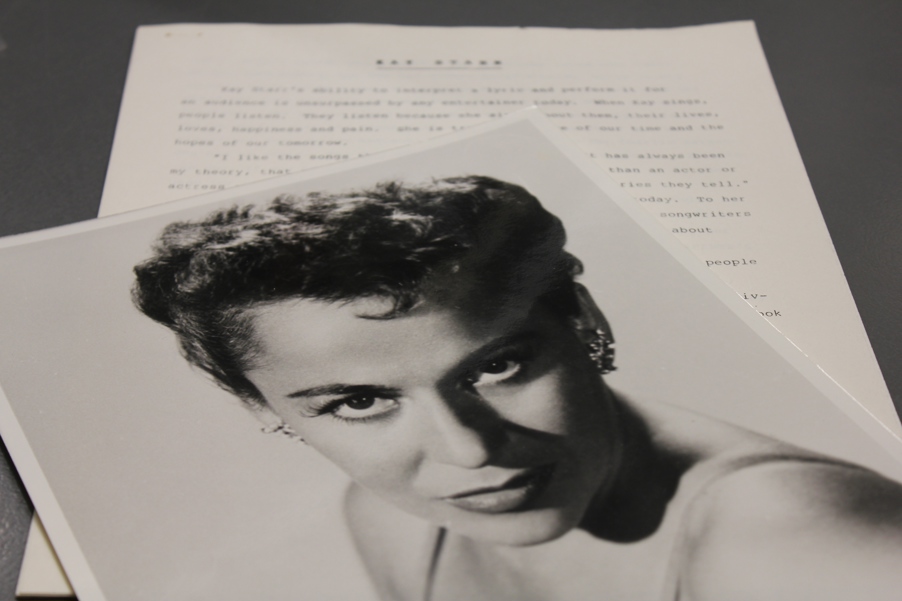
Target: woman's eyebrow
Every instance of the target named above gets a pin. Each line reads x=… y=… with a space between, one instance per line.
x=519 y=337
x=340 y=390
x=529 y=336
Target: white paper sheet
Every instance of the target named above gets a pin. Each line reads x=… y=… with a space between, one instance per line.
x=154 y=484
x=41 y=574
x=687 y=121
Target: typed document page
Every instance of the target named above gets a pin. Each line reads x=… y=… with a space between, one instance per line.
x=686 y=120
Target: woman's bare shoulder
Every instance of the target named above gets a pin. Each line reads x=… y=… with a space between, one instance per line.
x=396 y=547
x=794 y=529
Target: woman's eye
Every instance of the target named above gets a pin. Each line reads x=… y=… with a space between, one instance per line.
x=495 y=372
x=363 y=407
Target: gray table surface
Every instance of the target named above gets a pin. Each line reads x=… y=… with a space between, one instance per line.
x=837 y=66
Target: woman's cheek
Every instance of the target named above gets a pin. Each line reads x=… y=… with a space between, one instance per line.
x=378 y=459
x=541 y=405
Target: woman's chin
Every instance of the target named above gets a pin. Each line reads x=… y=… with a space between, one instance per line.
x=519 y=516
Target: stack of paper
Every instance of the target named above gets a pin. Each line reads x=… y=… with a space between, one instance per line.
x=686 y=122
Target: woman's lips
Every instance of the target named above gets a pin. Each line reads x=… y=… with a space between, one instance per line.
x=513 y=495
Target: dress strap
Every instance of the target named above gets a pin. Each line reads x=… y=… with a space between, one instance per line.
x=431 y=574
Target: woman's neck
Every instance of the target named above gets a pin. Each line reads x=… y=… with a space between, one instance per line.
x=633 y=505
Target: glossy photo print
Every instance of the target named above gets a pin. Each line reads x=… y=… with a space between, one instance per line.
x=472 y=370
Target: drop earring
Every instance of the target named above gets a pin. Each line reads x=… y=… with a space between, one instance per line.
x=283 y=428
x=601 y=351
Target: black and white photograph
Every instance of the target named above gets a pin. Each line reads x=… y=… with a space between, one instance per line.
x=472 y=369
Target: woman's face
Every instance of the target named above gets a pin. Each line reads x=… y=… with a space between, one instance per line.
x=496 y=426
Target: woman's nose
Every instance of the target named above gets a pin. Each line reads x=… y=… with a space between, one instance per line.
x=465 y=432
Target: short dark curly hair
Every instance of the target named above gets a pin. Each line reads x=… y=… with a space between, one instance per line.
x=392 y=241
